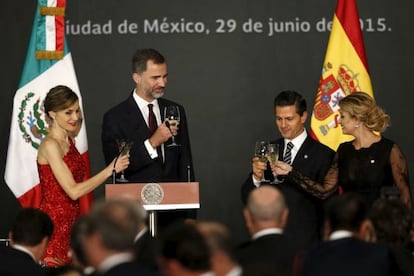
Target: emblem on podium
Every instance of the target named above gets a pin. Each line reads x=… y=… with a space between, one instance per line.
x=152 y=193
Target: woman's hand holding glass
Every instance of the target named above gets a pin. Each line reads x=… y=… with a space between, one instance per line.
x=281 y=168
x=122 y=163
x=273 y=157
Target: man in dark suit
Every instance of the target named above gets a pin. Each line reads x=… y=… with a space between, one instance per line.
x=144 y=243
x=393 y=222
x=219 y=240
x=184 y=251
x=307 y=155
x=269 y=251
x=110 y=229
x=346 y=250
x=140 y=119
x=29 y=237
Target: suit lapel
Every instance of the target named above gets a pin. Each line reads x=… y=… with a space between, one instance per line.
x=162 y=105
x=134 y=112
x=302 y=152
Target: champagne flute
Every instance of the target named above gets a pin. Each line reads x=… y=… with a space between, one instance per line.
x=124 y=146
x=260 y=151
x=272 y=157
x=172 y=118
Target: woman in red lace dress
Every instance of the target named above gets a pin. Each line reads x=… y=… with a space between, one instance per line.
x=62 y=171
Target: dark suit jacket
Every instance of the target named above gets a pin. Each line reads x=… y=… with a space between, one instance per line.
x=350 y=256
x=126 y=121
x=16 y=262
x=404 y=259
x=144 y=251
x=305 y=211
x=267 y=254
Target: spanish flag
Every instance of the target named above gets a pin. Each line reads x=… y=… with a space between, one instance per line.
x=48 y=63
x=345 y=70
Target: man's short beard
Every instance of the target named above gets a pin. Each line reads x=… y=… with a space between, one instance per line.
x=151 y=94
x=156 y=95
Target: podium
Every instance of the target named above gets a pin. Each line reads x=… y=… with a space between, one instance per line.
x=158 y=196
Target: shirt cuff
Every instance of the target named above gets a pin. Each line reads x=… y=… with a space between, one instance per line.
x=151 y=151
x=255 y=182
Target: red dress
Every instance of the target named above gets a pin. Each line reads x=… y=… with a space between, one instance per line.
x=60 y=207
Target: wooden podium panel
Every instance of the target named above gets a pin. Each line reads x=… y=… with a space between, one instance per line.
x=177 y=195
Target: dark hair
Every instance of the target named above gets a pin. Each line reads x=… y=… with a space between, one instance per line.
x=288 y=97
x=184 y=243
x=346 y=212
x=59 y=98
x=392 y=221
x=79 y=229
x=31 y=226
x=62 y=270
x=218 y=237
x=142 y=56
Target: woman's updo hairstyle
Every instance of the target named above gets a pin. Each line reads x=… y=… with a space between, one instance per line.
x=363 y=107
x=59 y=98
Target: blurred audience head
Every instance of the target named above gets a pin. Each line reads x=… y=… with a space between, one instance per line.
x=77 y=236
x=393 y=221
x=221 y=245
x=32 y=229
x=64 y=270
x=111 y=228
x=348 y=212
x=183 y=250
x=266 y=208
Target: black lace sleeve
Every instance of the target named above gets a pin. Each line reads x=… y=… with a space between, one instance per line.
x=400 y=173
x=319 y=190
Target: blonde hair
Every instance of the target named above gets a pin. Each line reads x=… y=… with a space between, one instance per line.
x=363 y=107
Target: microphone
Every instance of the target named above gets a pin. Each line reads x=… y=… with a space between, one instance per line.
x=188 y=173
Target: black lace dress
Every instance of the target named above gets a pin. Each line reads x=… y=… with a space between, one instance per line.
x=365 y=171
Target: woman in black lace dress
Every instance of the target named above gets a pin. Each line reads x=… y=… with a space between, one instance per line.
x=364 y=165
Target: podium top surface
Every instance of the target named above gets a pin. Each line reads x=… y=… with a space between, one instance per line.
x=159 y=196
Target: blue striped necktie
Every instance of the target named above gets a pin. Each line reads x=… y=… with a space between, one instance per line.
x=287 y=158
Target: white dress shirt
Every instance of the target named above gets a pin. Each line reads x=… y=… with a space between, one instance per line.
x=143 y=107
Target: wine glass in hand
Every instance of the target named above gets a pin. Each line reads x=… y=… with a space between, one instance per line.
x=260 y=151
x=272 y=157
x=172 y=119
x=124 y=147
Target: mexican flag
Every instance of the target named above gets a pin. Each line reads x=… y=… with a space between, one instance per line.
x=345 y=70
x=48 y=63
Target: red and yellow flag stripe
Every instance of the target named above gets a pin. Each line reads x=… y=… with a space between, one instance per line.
x=345 y=70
